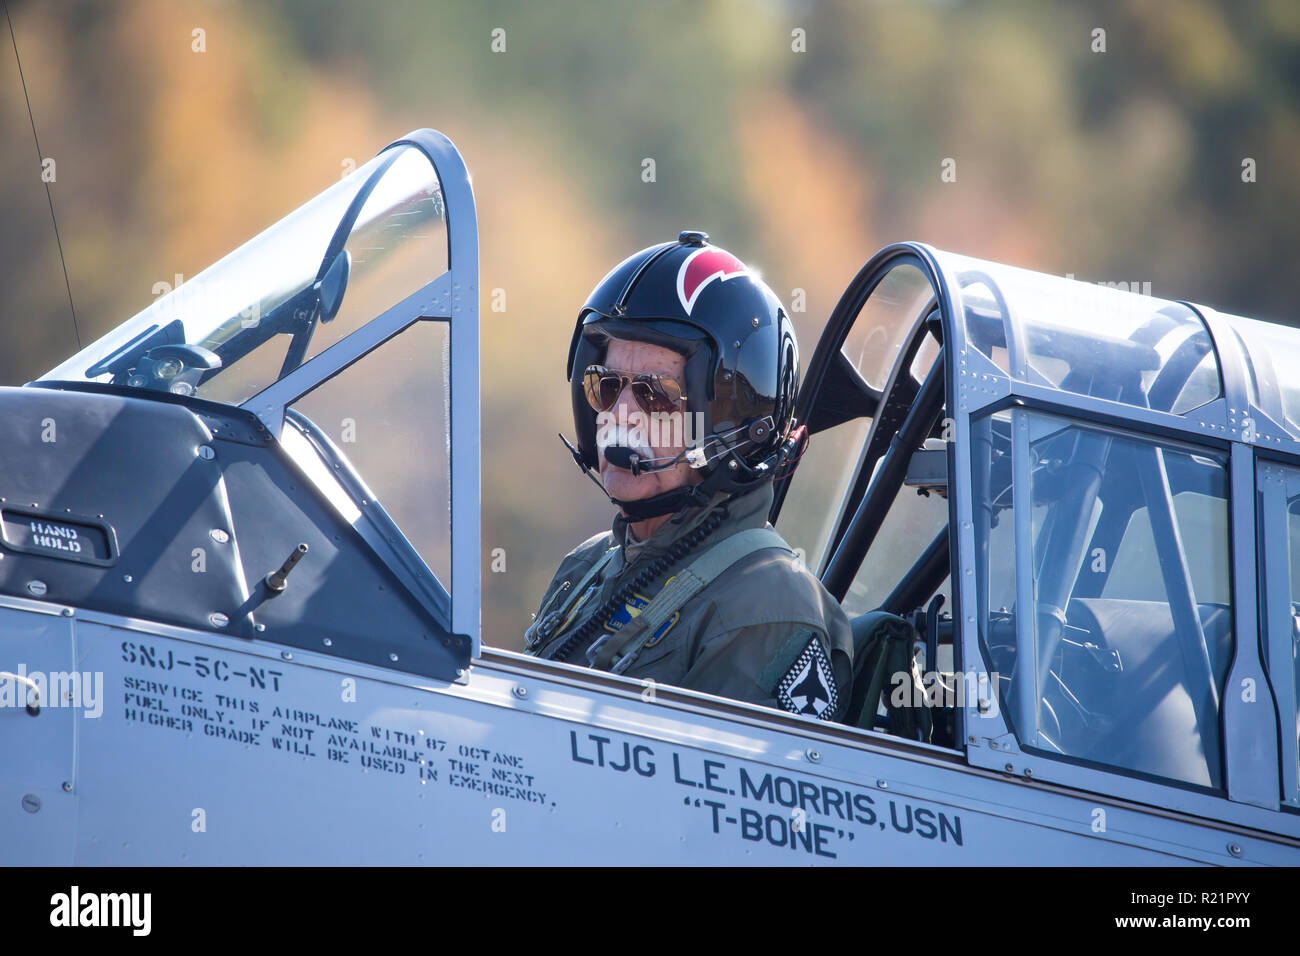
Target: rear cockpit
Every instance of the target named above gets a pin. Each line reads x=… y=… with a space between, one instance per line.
x=1089 y=459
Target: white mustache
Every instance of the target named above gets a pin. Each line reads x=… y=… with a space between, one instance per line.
x=620 y=435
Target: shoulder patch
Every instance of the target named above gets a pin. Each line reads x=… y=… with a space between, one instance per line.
x=808 y=687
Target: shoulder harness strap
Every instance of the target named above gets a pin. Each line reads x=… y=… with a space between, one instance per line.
x=684 y=586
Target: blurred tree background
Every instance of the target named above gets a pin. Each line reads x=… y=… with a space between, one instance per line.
x=801 y=135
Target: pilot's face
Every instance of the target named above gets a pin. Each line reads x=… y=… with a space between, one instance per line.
x=662 y=436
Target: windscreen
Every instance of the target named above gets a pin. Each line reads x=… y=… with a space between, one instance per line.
x=355 y=250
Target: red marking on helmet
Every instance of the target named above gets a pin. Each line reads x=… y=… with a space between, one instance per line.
x=702 y=267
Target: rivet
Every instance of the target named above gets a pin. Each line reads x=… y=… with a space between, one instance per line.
x=754 y=321
x=520 y=691
x=813 y=755
x=328 y=642
x=259 y=627
x=393 y=658
x=882 y=785
x=286 y=655
x=219 y=535
x=127 y=578
x=67 y=786
x=1010 y=769
x=1234 y=849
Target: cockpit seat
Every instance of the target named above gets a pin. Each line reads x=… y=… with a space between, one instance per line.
x=1135 y=694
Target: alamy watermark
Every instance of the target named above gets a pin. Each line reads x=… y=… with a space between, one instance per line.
x=641 y=430
x=128 y=910
x=210 y=298
x=35 y=689
x=938 y=689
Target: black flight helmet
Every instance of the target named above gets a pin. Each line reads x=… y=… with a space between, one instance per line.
x=742 y=360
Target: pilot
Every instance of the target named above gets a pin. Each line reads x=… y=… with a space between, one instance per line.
x=683 y=369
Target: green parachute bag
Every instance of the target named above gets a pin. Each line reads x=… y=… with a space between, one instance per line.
x=883 y=658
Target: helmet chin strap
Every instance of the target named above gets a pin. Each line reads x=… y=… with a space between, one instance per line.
x=664 y=503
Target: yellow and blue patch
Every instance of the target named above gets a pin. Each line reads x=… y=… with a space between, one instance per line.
x=633 y=608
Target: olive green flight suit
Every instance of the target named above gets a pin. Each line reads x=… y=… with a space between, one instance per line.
x=764 y=630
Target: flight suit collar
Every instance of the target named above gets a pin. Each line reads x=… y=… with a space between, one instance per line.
x=746 y=511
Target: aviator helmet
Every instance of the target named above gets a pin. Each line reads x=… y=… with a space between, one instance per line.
x=742 y=363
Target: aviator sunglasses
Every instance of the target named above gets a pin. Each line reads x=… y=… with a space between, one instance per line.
x=655 y=393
